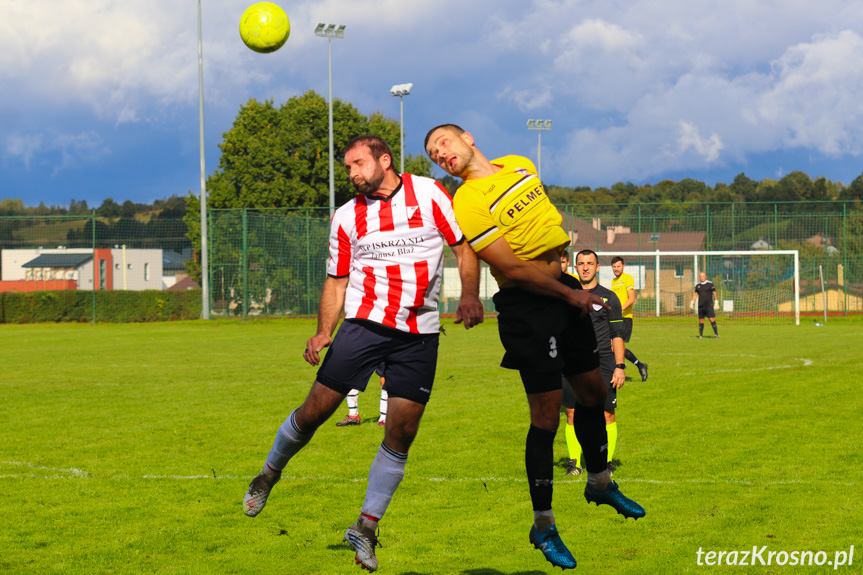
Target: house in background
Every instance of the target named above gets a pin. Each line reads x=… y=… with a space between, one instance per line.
x=174 y=267
x=115 y=268
x=676 y=274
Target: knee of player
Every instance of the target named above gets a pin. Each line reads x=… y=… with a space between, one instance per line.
x=548 y=421
x=400 y=436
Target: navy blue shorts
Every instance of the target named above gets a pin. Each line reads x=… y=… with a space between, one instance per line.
x=361 y=346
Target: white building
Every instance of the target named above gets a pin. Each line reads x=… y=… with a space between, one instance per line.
x=116 y=268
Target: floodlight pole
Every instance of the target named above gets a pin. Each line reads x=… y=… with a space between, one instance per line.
x=205 y=269
x=330 y=31
x=539 y=125
x=400 y=91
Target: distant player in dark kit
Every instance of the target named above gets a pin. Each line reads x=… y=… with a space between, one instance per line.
x=708 y=302
x=542 y=319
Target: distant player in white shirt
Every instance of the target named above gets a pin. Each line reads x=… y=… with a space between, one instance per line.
x=386 y=261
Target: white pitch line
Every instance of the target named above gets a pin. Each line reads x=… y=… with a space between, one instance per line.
x=71 y=470
x=333 y=478
x=806 y=363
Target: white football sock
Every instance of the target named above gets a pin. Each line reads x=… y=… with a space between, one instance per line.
x=289 y=440
x=354 y=402
x=385 y=474
x=599 y=480
x=543 y=519
x=384 y=397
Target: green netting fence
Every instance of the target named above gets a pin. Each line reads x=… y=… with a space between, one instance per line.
x=272 y=262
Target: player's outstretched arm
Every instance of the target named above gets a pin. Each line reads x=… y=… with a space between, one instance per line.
x=330 y=310
x=470 y=310
x=500 y=256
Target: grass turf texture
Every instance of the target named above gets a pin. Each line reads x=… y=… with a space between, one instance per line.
x=128 y=448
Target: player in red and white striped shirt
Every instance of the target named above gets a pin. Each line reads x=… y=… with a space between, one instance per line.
x=386 y=260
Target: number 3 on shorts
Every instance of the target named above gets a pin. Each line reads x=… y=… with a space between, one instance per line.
x=552 y=347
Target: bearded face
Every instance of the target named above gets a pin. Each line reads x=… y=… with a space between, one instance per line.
x=368 y=184
x=365 y=172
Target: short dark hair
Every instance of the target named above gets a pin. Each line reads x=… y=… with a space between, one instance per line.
x=586 y=252
x=616 y=259
x=565 y=254
x=455 y=128
x=375 y=144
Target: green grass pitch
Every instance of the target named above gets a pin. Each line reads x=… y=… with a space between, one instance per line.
x=128 y=448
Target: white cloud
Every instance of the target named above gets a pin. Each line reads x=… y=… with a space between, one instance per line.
x=636 y=89
x=58 y=151
x=690 y=138
x=815 y=94
x=22 y=148
x=656 y=87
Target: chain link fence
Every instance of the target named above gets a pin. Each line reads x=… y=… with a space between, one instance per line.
x=272 y=262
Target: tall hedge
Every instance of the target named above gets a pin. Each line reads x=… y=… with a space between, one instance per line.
x=110 y=306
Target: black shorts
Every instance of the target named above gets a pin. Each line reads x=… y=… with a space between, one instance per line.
x=543 y=337
x=610 y=398
x=606 y=365
x=568 y=395
x=626 y=329
x=360 y=346
x=706 y=311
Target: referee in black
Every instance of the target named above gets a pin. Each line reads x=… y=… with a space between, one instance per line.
x=608 y=325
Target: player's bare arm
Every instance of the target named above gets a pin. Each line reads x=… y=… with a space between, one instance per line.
x=331 y=305
x=630 y=300
x=619 y=349
x=470 y=310
x=538 y=275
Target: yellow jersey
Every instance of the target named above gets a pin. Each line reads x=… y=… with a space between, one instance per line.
x=620 y=286
x=510 y=204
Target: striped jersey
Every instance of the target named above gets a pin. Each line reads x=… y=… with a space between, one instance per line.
x=510 y=204
x=392 y=249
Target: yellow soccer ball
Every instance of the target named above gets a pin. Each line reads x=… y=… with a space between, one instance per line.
x=264 y=27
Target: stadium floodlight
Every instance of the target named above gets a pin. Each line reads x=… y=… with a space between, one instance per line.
x=400 y=91
x=539 y=126
x=330 y=31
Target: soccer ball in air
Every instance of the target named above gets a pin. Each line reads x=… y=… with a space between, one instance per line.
x=264 y=27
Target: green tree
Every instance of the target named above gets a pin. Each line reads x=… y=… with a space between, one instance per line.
x=854 y=191
x=108 y=209
x=795 y=186
x=745 y=188
x=279 y=157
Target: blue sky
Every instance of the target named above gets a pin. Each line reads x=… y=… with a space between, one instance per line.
x=100 y=97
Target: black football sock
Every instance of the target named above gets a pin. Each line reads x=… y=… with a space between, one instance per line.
x=631 y=357
x=593 y=437
x=539 y=461
x=701 y=329
x=715 y=329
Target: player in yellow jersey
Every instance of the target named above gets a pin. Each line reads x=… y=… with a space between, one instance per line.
x=624 y=287
x=542 y=318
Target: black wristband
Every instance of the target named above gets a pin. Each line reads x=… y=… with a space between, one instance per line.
x=620 y=366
